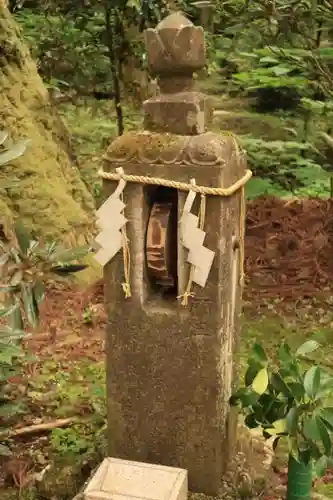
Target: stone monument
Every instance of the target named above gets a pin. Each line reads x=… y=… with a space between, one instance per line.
x=172 y=335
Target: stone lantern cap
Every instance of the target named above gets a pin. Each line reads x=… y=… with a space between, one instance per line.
x=175 y=47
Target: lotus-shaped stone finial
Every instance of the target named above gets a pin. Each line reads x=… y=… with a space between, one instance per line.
x=175 y=47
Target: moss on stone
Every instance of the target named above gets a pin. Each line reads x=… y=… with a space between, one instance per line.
x=132 y=144
x=48 y=193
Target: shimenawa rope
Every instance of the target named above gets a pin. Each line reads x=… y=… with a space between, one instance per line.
x=182 y=186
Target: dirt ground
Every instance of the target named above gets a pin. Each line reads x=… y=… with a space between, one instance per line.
x=288 y=248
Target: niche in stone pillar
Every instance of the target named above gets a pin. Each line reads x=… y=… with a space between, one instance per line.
x=161 y=241
x=234 y=280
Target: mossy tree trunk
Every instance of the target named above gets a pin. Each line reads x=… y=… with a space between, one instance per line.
x=46 y=190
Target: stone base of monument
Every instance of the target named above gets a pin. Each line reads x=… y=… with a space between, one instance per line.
x=124 y=480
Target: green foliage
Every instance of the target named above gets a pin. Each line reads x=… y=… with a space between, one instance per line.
x=78 y=391
x=280 y=161
x=289 y=401
x=70 y=37
x=27 y=264
x=10 y=335
x=277 y=52
x=68 y=442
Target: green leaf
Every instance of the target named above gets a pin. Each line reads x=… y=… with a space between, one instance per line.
x=293 y=447
x=324 y=435
x=7 y=311
x=285 y=354
x=280 y=70
x=10 y=410
x=292 y=420
x=14 y=152
x=269 y=60
x=296 y=390
x=251 y=421
x=312 y=381
x=280 y=425
x=279 y=384
x=327 y=138
x=307 y=347
x=16 y=278
x=16 y=317
x=62 y=256
x=321 y=466
x=245 y=397
x=68 y=269
x=259 y=354
x=251 y=372
x=260 y=383
x=327 y=415
x=39 y=292
x=7 y=333
x=30 y=305
x=23 y=237
x=310 y=429
x=4 y=259
x=10 y=352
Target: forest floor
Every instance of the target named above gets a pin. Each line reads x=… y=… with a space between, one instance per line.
x=288 y=296
x=64 y=384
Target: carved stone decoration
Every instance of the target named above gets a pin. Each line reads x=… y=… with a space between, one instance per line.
x=148 y=148
x=175 y=46
x=160 y=245
x=176 y=50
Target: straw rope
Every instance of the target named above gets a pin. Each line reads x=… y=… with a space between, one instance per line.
x=182 y=186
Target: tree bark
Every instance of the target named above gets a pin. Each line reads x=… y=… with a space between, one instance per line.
x=45 y=187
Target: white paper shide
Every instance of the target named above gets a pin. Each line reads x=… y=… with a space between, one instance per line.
x=110 y=220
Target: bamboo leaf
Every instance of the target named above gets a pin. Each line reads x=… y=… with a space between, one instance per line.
x=30 y=305
x=7 y=311
x=23 y=237
x=39 y=292
x=16 y=317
